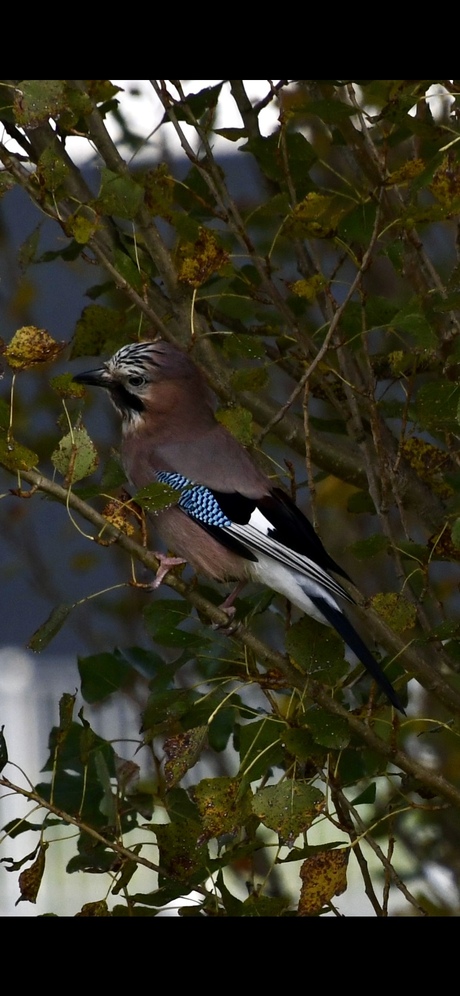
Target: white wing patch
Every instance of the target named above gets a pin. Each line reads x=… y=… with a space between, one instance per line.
x=255 y=536
x=260 y=523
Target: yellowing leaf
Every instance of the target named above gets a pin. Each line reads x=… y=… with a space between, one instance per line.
x=317 y=215
x=98 y=908
x=65 y=386
x=309 y=289
x=323 y=875
x=396 y=610
x=202 y=259
x=16 y=457
x=220 y=807
x=82 y=228
x=30 y=879
x=239 y=422
x=117 y=513
x=30 y=346
x=410 y=169
x=183 y=751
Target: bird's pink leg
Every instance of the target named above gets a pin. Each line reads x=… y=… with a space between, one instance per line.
x=228 y=606
x=165 y=566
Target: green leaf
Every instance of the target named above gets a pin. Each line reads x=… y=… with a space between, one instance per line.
x=289 y=808
x=231 y=134
x=37 y=100
x=96 y=331
x=162 y=619
x=108 y=802
x=221 y=728
x=146 y=662
x=165 y=708
x=330 y=111
x=129 y=269
x=103 y=674
x=300 y=743
x=357 y=225
x=300 y=155
x=254 y=379
x=156 y=496
x=318 y=651
x=17 y=826
x=181 y=857
x=415 y=551
x=360 y=501
x=260 y=746
x=6 y=183
x=206 y=99
x=369 y=547
x=259 y=905
x=230 y=304
x=366 y=797
x=330 y=731
x=455 y=533
x=52 y=171
x=412 y=320
x=4 y=416
x=48 y=630
x=119 y=195
x=27 y=253
x=437 y=406
x=76 y=456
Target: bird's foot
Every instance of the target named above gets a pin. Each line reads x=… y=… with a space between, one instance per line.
x=228 y=607
x=165 y=566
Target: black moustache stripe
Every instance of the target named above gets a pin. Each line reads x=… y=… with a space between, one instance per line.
x=124 y=400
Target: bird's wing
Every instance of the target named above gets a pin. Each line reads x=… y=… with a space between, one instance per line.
x=271 y=525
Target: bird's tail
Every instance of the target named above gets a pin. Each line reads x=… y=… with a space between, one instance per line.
x=339 y=621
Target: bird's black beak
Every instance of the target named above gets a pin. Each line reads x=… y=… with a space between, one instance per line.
x=94 y=378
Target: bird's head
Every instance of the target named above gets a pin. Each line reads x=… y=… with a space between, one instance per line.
x=144 y=376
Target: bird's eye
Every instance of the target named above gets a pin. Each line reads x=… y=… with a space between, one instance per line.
x=136 y=380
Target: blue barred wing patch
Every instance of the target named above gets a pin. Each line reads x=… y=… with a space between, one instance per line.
x=195 y=500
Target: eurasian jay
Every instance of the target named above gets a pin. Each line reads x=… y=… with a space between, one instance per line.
x=229 y=521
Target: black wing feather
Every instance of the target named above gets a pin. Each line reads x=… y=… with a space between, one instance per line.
x=354 y=641
x=292 y=528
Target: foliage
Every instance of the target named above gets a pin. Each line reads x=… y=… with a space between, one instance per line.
x=330 y=283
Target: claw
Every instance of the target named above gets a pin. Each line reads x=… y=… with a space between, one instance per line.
x=165 y=566
x=228 y=607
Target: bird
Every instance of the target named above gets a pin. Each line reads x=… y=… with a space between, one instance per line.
x=230 y=521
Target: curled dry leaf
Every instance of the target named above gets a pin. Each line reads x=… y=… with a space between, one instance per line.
x=30 y=346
